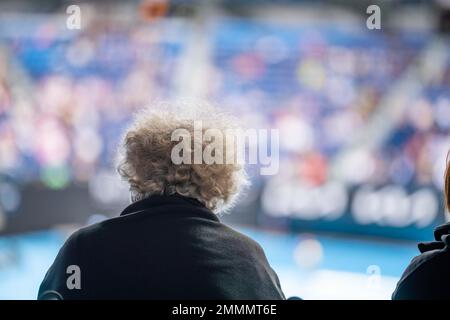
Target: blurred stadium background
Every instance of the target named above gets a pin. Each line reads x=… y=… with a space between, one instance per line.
x=364 y=119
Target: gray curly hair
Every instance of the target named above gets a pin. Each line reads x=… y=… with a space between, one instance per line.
x=145 y=156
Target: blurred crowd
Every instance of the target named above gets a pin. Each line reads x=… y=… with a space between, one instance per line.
x=319 y=84
x=66 y=96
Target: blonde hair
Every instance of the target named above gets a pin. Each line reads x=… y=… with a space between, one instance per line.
x=145 y=156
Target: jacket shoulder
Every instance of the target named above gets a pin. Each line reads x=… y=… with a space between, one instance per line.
x=54 y=285
x=425 y=277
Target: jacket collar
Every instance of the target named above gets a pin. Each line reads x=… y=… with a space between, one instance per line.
x=442 y=239
x=154 y=201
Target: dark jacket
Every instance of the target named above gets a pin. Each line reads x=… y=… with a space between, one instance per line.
x=162 y=247
x=428 y=275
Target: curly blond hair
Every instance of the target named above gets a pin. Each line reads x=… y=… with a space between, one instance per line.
x=145 y=157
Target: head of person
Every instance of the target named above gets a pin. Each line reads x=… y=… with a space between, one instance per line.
x=147 y=151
